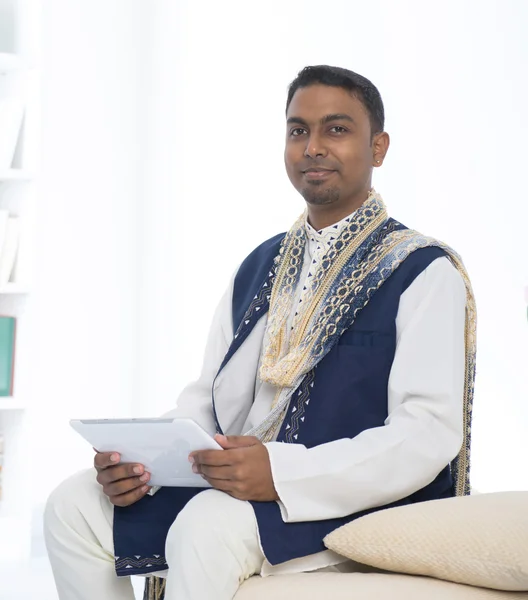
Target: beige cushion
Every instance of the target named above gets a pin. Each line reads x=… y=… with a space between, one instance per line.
x=359 y=586
x=477 y=540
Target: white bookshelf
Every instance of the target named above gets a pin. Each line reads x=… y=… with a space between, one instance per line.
x=19 y=47
x=11 y=403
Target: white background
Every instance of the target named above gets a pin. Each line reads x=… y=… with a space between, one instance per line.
x=162 y=141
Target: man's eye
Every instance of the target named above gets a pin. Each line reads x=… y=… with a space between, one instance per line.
x=297 y=131
x=338 y=129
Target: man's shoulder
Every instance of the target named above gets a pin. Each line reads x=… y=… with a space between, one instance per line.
x=269 y=245
x=263 y=253
x=424 y=254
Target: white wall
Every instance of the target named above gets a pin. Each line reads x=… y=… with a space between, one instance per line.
x=85 y=297
x=162 y=167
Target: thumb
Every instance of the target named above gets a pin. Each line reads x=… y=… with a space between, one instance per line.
x=236 y=441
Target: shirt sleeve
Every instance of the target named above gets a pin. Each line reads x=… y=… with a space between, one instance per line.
x=195 y=400
x=424 y=429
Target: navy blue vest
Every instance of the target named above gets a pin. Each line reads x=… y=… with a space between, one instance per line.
x=344 y=395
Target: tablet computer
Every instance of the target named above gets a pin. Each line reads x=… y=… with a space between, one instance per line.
x=161 y=445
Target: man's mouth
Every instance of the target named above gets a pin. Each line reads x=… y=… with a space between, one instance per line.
x=317 y=173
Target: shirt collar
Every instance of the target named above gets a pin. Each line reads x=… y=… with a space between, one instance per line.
x=323 y=239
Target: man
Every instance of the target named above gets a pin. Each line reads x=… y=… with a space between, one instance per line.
x=338 y=377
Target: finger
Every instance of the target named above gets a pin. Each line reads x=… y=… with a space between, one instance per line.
x=196 y=453
x=124 y=486
x=103 y=460
x=218 y=473
x=223 y=485
x=229 y=442
x=215 y=458
x=236 y=441
x=229 y=488
x=130 y=497
x=118 y=472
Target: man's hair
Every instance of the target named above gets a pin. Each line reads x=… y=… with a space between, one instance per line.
x=365 y=91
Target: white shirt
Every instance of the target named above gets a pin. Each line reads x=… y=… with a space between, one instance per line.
x=422 y=434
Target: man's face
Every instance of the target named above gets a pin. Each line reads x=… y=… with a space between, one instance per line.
x=328 y=153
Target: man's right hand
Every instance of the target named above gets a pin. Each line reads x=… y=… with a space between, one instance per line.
x=123 y=483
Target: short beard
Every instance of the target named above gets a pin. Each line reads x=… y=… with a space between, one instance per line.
x=320 y=197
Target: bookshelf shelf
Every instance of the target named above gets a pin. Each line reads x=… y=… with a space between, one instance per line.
x=16 y=175
x=14 y=288
x=11 y=403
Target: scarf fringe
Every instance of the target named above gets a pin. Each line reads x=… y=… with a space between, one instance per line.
x=154 y=588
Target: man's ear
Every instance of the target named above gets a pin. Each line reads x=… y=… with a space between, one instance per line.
x=380 y=147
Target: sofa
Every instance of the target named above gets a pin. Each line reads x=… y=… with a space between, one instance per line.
x=464 y=548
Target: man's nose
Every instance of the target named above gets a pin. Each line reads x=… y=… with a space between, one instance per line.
x=315 y=147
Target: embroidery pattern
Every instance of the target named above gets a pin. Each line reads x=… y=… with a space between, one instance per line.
x=300 y=401
x=260 y=300
x=139 y=562
x=257 y=307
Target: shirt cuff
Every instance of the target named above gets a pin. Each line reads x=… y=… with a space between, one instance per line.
x=284 y=462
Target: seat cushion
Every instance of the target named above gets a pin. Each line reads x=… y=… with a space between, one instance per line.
x=361 y=586
x=477 y=540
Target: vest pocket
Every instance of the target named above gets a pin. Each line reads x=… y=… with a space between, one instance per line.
x=366 y=339
x=360 y=363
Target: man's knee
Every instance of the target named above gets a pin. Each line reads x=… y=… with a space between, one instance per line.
x=62 y=503
x=195 y=517
x=218 y=528
x=204 y=518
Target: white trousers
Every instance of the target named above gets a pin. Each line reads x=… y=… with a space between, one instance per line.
x=211 y=548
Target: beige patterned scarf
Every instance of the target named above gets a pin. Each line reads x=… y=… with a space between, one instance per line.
x=368 y=250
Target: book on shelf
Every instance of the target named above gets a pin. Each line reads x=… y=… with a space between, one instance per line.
x=9 y=241
x=7 y=355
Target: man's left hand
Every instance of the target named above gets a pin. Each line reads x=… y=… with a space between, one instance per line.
x=242 y=469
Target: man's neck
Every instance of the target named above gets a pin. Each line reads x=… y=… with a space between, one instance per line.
x=323 y=216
